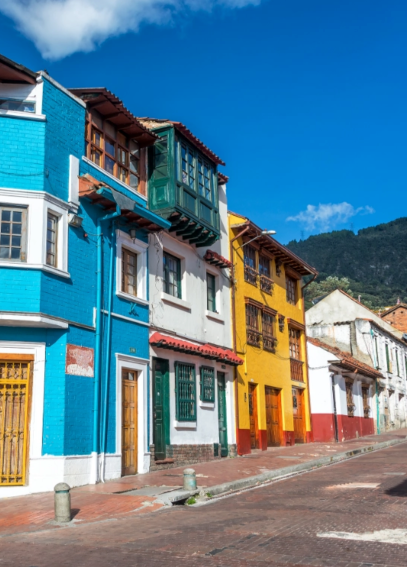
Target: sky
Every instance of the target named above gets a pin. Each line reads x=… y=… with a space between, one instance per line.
x=305 y=100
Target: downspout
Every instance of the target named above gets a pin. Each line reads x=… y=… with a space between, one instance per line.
x=98 y=344
x=334 y=408
x=232 y=277
x=108 y=353
x=376 y=364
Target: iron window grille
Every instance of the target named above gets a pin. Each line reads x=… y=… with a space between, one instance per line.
x=207 y=384
x=172 y=275
x=13 y=234
x=185 y=391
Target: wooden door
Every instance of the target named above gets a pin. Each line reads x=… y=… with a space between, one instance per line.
x=254 y=427
x=161 y=408
x=15 y=386
x=273 y=417
x=298 y=414
x=129 y=423
x=223 y=426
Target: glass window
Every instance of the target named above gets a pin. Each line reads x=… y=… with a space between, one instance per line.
x=172 y=275
x=52 y=239
x=211 y=292
x=291 y=290
x=191 y=169
x=294 y=341
x=253 y=335
x=13 y=234
x=268 y=322
x=264 y=266
x=388 y=362
x=207 y=384
x=250 y=257
x=129 y=272
x=19 y=105
x=109 y=147
x=207 y=180
x=109 y=165
x=185 y=392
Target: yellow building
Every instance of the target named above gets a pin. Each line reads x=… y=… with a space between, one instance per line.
x=271 y=394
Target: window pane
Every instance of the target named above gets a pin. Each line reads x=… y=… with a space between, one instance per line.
x=129 y=272
x=97 y=138
x=4 y=252
x=109 y=147
x=96 y=157
x=5 y=240
x=17 y=216
x=134 y=163
x=5 y=228
x=15 y=253
x=6 y=216
x=109 y=165
x=16 y=241
x=16 y=228
x=122 y=174
x=134 y=181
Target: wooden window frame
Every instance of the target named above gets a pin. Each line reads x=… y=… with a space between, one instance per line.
x=268 y=330
x=23 y=234
x=291 y=290
x=250 y=272
x=166 y=282
x=294 y=340
x=253 y=332
x=207 y=391
x=125 y=284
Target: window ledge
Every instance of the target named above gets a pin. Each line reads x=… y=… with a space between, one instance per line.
x=26 y=115
x=184 y=424
x=90 y=162
x=208 y=405
x=131 y=298
x=43 y=267
x=175 y=301
x=215 y=316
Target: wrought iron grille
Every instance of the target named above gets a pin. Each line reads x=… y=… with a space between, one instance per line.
x=207 y=384
x=185 y=389
x=250 y=275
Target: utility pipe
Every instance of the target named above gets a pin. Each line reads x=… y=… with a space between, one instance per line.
x=98 y=342
x=108 y=349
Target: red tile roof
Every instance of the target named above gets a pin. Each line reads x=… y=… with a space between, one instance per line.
x=208 y=351
x=347 y=359
x=217 y=260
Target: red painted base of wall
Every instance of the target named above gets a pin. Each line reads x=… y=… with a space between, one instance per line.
x=243 y=441
x=323 y=427
x=288 y=438
x=353 y=427
x=309 y=436
x=263 y=439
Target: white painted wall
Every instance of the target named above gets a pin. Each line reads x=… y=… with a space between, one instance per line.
x=320 y=383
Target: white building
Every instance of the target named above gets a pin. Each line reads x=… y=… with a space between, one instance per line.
x=189 y=287
x=340 y=321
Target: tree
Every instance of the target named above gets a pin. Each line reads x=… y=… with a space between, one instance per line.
x=331 y=283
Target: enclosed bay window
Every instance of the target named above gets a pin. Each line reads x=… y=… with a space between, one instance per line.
x=13 y=234
x=185 y=392
x=193 y=170
x=211 y=292
x=172 y=275
x=52 y=240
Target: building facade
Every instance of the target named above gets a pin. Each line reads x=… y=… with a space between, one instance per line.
x=190 y=334
x=271 y=387
x=342 y=394
x=73 y=276
x=338 y=320
x=396 y=316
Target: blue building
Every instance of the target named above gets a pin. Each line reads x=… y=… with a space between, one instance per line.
x=74 y=305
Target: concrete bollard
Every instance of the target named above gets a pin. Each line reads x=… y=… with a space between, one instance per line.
x=62 y=502
x=189 y=479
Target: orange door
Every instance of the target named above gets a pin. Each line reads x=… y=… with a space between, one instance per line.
x=298 y=413
x=129 y=424
x=273 y=417
x=254 y=427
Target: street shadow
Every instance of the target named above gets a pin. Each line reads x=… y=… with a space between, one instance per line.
x=74 y=512
x=398 y=490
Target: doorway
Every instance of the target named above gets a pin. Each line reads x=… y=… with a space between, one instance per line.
x=161 y=407
x=273 y=417
x=254 y=426
x=298 y=414
x=223 y=426
x=129 y=421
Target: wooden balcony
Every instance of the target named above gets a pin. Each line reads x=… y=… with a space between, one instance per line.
x=266 y=284
x=250 y=275
x=269 y=343
x=297 y=370
x=253 y=338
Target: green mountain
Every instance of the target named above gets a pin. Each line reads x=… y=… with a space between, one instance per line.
x=374 y=260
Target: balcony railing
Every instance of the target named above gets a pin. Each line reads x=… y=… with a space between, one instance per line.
x=250 y=275
x=296 y=370
x=266 y=284
x=269 y=343
x=253 y=337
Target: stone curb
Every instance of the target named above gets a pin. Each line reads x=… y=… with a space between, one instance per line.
x=250 y=482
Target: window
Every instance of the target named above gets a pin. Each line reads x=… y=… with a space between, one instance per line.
x=172 y=275
x=19 y=105
x=250 y=273
x=185 y=391
x=207 y=384
x=349 y=398
x=365 y=397
x=253 y=325
x=268 y=325
x=52 y=240
x=204 y=179
x=388 y=361
x=13 y=231
x=397 y=362
x=377 y=352
x=113 y=151
x=291 y=289
x=266 y=283
x=211 y=292
x=161 y=157
x=193 y=167
x=294 y=341
x=129 y=272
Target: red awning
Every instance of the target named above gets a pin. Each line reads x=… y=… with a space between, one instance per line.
x=216 y=259
x=207 y=351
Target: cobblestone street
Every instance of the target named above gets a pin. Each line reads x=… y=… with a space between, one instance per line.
x=279 y=524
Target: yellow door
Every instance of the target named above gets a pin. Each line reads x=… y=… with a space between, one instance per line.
x=129 y=425
x=15 y=385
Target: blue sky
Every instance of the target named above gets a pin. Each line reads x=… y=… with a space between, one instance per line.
x=304 y=100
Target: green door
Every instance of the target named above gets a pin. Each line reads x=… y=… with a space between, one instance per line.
x=161 y=409
x=223 y=427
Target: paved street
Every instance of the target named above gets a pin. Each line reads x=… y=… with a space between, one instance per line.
x=273 y=525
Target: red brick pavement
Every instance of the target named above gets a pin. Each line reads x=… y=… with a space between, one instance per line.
x=109 y=501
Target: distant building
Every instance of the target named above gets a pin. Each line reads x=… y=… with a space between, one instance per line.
x=396 y=316
x=340 y=321
x=271 y=387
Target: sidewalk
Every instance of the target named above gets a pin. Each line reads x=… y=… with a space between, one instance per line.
x=140 y=494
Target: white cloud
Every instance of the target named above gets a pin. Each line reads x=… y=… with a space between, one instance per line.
x=326 y=217
x=61 y=27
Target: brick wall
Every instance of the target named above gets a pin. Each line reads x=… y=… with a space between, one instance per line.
x=184 y=455
x=398 y=318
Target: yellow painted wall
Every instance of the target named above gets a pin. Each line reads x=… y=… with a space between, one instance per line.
x=262 y=367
